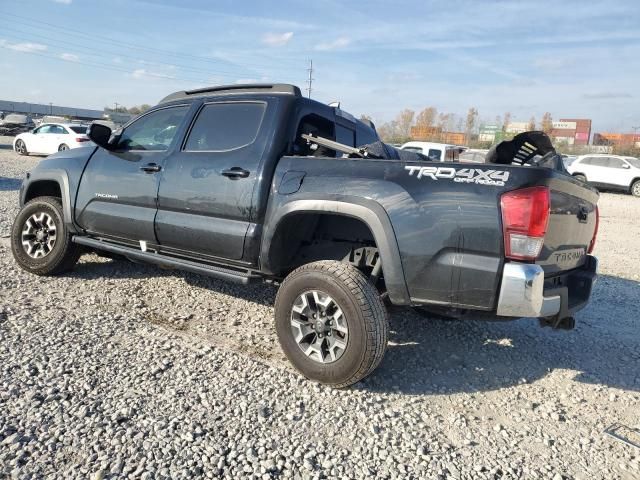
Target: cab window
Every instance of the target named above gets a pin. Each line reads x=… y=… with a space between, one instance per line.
x=318 y=127
x=226 y=126
x=434 y=154
x=154 y=131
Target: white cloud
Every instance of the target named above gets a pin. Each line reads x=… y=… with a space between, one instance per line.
x=70 y=57
x=606 y=95
x=64 y=2
x=26 y=47
x=277 y=39
x=144 y=73
x=340 y=42
x=117 y=60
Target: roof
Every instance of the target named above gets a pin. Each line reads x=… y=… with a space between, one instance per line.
x=283 y=88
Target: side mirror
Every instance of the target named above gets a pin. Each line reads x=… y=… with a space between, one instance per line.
x=100 y=135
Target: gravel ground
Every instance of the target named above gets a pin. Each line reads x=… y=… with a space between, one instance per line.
x=119 y=370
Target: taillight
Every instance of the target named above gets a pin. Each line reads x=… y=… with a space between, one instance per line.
x=82 y=139
x=525 y=217
x=595 y=232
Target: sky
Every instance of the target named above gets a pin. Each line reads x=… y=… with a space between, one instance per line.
x=575 y=59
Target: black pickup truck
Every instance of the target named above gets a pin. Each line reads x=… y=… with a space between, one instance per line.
x=230 y=182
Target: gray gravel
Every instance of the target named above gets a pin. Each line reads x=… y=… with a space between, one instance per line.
x=119 y=370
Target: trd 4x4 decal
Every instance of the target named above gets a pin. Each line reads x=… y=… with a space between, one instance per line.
x=464 y=175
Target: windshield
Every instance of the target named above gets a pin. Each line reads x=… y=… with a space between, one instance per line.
x=633 y=161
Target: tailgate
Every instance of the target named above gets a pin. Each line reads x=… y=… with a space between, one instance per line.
x=572 y=224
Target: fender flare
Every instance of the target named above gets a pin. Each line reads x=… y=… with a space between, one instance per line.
x=369 y=212
x=62 y=179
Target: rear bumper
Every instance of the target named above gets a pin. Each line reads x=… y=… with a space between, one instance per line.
x=526 y=293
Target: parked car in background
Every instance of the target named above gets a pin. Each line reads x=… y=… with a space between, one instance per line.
x=15 y=123
x=49 y=138
x=437 y=152
x=473 y=156
x=568 y=159
x=613 y=172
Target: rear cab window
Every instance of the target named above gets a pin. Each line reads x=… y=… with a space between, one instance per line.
x=225 y=126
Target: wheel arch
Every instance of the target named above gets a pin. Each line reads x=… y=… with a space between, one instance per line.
x=49 y=183
x=369 y=214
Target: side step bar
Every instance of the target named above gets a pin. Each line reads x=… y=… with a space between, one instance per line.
x=230 y=275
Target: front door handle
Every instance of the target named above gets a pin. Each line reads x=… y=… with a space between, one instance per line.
x=235 y=172
x=151 y=168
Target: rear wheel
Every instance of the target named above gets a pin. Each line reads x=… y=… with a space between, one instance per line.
x=63 y=147
x=580 y=177
x=40 y=241
x=21 y=148
x=635 y=188
x=331 y=322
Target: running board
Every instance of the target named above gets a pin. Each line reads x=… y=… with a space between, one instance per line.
x=230 y=275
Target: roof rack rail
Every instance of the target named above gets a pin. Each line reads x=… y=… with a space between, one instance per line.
x=236 y=88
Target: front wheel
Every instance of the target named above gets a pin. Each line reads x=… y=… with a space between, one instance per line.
x=63 y=147
x=40 y=241
x=21 y=148
x=635 y=188
x=331 y=322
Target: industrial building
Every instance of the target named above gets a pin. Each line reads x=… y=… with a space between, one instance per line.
x=437 y=134
x=572 y=131
x=617 y=139
x=39 y=109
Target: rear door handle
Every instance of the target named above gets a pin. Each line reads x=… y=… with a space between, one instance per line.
x=235 y=172
x=151 y=168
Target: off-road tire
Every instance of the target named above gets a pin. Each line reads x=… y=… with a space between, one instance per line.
x=635 y=188
x=21 y=150
x=364 y=311
x=63 y=255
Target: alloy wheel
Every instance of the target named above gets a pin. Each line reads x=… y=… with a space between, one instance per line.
x=319 y=326
x=39 y=235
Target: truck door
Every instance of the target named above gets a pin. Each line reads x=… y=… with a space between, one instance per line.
x=205 y=196
x=119 y=189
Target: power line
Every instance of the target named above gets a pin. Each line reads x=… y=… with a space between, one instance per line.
x=106 y=67
x=117 y=54
x=79 y=33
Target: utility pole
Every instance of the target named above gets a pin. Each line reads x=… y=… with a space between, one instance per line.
x=50 y=108
x=116 y=106
x=310 y=79
x=635 y=134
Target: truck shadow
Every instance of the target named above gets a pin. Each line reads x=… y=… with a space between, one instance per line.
x=430 y=356
x=9 y=184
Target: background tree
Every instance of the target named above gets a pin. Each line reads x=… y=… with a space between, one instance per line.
x=547 y=123
x=138 y=109
x=366 y=118
x=427 y=117
x=532 y=123
x=472 y=118
x=506 y=122
x=405 y=121
x=388 y=132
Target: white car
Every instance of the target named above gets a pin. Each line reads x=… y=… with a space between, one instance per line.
x=613 y=172
x=437 y=152
x=49 y=138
